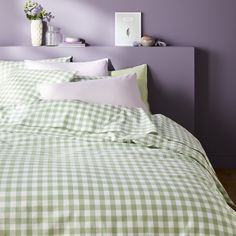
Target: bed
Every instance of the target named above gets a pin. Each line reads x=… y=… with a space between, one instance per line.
x=73 y=168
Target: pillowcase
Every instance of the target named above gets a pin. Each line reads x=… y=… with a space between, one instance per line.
x=7 y=66
x=141 y=72
x=91 y=68
x=121 y=91
x=59 y=59
x=20 y=86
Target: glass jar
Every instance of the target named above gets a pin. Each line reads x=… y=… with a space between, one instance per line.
x=53 y=36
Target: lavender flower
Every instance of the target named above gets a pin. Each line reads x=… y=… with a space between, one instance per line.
x=49 y=16
x=34 y=11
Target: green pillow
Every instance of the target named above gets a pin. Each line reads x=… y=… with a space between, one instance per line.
x=141 y=72
x=20 y=85
x=7 y=66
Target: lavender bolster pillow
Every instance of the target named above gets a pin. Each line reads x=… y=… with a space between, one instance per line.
x=121 y=91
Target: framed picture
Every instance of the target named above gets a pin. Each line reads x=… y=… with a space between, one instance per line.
x=128 y=28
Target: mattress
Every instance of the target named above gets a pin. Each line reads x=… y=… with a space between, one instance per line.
x=70 y=168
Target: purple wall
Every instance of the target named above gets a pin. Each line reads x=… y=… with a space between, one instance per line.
x=208 y=25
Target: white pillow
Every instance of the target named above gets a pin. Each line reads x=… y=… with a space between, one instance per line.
x=121 y=91
x=91 y=68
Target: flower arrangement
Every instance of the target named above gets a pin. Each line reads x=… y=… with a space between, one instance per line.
x=34 y=11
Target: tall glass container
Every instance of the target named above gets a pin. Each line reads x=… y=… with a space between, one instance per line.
x=53 y=36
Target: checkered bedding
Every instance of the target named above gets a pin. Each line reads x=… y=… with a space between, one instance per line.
x=20 y=85
x=7 y=66
x=70 y=168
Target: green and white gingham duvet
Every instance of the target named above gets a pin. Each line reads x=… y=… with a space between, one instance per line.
x=69 y=168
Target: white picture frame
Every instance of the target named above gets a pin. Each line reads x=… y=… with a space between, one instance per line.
x=128 y=28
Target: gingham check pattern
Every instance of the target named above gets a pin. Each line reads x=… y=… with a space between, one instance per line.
x=20 y=86
x=7 y=66
x=69 y=168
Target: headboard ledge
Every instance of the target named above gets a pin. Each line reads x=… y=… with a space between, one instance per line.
x=171 y=72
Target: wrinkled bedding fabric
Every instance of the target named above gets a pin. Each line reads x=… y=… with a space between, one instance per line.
x=70 y=168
